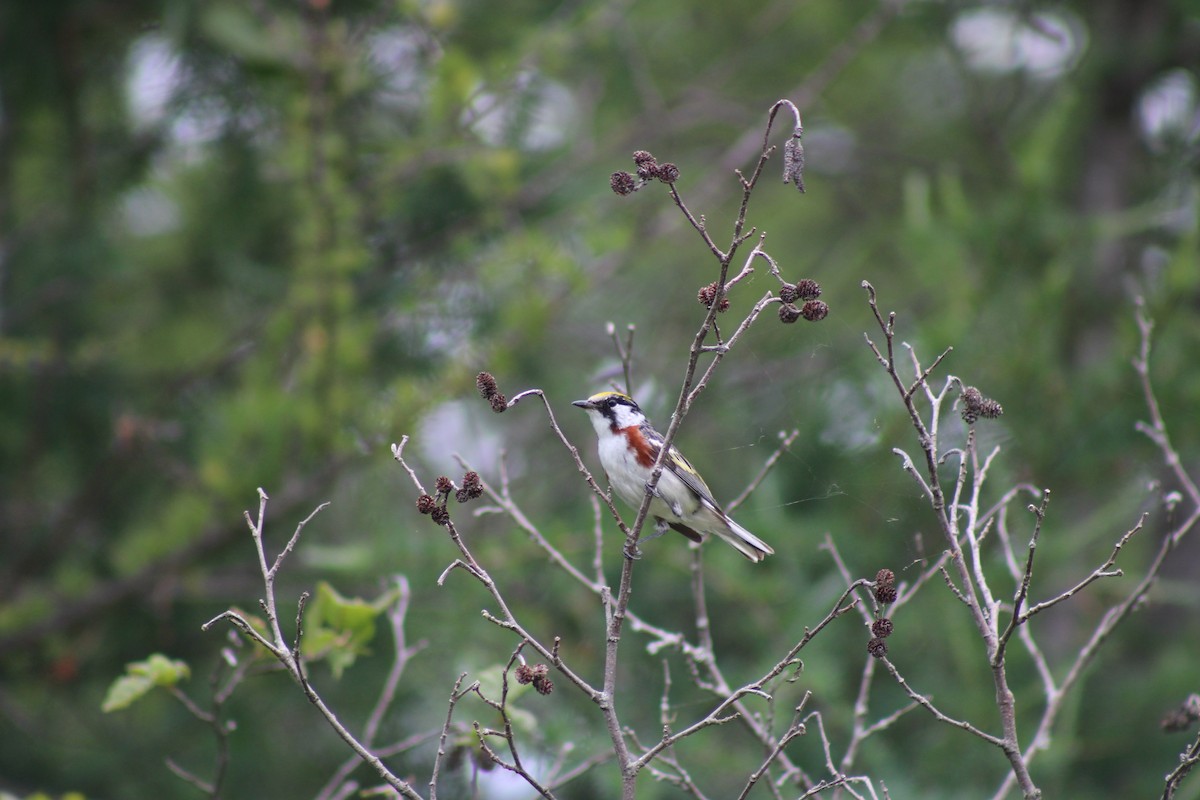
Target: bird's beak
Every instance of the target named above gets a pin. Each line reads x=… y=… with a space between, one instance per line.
x=584 y=404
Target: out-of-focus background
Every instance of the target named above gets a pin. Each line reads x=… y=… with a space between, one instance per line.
x=250 y=244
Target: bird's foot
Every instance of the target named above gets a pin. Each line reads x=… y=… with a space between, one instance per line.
x=660 y=527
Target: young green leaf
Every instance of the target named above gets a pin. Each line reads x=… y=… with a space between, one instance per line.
x=142 y=676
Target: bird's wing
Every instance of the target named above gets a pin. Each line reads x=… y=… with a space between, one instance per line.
x=683 y=469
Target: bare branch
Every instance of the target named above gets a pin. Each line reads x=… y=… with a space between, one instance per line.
x=456 y=694
x=1026 y=576
x=289 y=657
x=926 y=703
x=1188 y=760
x=1105 y=570
x=397 y=613
x=398 y=454
x=624 y=353
x=797 y=728
x=1157 y=429
x=189 y=777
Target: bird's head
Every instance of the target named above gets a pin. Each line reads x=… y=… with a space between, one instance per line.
x=611 y=411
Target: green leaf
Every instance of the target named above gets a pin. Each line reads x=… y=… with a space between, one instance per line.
x=142 y=676
x=162 y=670
x=124 y=691
x=338 y=629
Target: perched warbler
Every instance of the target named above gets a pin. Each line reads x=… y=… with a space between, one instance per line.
x=628 y=449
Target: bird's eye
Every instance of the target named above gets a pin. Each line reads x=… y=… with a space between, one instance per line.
x=612 y=402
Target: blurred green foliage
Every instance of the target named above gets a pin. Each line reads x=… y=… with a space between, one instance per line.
x=340 y=629
x=142 y=676
x=249 y=245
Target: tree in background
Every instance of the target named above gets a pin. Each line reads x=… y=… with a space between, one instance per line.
x=249 y=245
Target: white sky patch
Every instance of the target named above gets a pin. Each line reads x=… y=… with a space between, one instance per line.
x=469 y=426
x=155 y=77
x=1001 y=40
x=538 y=113
x=1167 y=110
x=396 y=53
x=154 y=74
x=500 y=784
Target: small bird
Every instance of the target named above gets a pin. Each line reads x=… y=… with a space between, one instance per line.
x=628 y=448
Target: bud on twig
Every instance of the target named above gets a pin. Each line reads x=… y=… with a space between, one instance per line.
x=975 y=405
x=622 y=183
x=537 y=675
x=808 y=289
x=491 y=392
x=1181 y=718
x=708 y=295
x=814 y=310
x=647 y=165
x=885 y=586
x=472 y=487
x=793 y=160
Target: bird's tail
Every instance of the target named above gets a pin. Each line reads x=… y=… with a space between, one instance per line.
x=743 y=540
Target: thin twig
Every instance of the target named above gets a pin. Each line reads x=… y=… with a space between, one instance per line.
x=1188 y=760
x=190 y=777
x=456 y=694
x=1157 y=429
x=1026 y=577
x=1105 y=570
x=797 y=728
x=289 y=656
x=397 y=613
x=927 y=704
